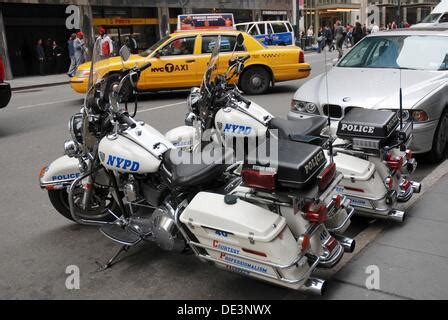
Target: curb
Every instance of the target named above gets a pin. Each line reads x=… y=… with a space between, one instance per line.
x=34 y=86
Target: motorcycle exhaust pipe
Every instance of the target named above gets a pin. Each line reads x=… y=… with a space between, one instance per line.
x=397 y=215
x=416 y=186
x=314 y=286
x=348 y=244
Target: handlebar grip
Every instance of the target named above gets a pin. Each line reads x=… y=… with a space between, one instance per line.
x=124 y=118
x=239 y=97
x=145 y=66
x=245 y=58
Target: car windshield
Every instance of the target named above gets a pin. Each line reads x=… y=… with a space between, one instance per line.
x=418 y=52
x=148 y=51
x=431 y=18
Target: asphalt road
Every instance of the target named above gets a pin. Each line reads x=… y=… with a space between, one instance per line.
x=37 y=244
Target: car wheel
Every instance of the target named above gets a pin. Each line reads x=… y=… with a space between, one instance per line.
x=255 y=80
x=440 y=142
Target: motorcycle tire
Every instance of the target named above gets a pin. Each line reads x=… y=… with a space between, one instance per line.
x=440 y=142
x=59 y=200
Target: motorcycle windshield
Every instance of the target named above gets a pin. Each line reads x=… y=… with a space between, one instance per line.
x=212 y=65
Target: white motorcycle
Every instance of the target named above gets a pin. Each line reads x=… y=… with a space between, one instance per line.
x=125 y=176
x=370 y=150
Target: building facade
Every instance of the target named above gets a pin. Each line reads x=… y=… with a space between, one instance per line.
x=23 y=22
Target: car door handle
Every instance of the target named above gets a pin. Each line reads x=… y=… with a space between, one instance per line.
x=190 y=61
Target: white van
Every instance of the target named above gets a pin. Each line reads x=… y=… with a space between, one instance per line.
x=437 y=16
x=269 y=32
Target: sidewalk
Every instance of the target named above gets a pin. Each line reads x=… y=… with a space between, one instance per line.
x=412 y=257
x=38 y=81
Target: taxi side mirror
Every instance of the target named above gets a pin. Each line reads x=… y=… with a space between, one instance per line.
x=157 y=55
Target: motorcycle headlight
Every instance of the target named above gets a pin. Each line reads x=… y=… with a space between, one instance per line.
x=304 y=106
x=75 y=127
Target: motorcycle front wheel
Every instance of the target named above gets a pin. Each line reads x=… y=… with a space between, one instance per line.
x=97 y=212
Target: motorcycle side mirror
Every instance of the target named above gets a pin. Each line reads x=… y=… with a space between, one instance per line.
x=240 y=39
x=125 y=53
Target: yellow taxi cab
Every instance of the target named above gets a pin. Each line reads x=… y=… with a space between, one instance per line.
x=180 y=60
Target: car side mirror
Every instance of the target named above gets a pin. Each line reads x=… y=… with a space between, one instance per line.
x=240 y=39
x=157 y=55
x=125 y=53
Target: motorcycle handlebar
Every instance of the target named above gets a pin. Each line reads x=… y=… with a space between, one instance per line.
x=239 y=97
x=145 y=66
x=124 y=118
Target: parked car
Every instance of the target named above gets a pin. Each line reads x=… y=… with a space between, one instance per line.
x=180 y=60
x=269 y=32
x=5 y=88
x=370 y=76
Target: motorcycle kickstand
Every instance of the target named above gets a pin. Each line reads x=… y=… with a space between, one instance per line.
x=112 y=260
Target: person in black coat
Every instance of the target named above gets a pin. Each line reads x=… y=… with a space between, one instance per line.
x=40 y=54
x=357 y=33
x=57 y=57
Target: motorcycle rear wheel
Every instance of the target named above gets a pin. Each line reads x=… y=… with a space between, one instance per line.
x=59 y=200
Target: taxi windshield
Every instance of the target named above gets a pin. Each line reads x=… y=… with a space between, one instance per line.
x=415 y=52
x=148 y=51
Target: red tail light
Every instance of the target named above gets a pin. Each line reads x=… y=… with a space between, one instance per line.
x=315 y=212
x=305 y=242
x=389 y=182
x=394 y=162
x=326 y=176
x=405 y=185
x=259 y=179
x=337 y=201
x=331 y=244
x=2 y=70
x=301 y=56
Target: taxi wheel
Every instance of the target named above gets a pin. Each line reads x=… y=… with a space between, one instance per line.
x=255 y=80
x=440 y=142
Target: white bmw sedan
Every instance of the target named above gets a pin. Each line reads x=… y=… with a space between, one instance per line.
x=370 y=76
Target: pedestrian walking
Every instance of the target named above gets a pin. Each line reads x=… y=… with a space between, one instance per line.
x=106 y=44
x=357 y=33
x=71 y=52
x=49 y=61
x=339 y=34
x=40 y=52
x=328 y=34
x=79 y=47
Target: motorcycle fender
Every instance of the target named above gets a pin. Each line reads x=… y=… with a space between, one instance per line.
x=63 y=171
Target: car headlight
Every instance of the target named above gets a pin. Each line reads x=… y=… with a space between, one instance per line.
x=414 y=115
x=82 y=73
x=304 y=106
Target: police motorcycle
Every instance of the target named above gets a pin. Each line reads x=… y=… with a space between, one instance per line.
x=126 y=177
x=368 y=147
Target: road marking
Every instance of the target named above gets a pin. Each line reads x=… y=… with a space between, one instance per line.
x=46 y=103
x=162 y=107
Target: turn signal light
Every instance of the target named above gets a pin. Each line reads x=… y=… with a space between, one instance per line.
x=331 y=244
x=409 y=154
x=316 y=212
x=419 y=116
x=394 y=162
x=337 y=201
x=326 y=176
x=306 y=241
x=405 y=185
x=259 y=179
x=42 y=172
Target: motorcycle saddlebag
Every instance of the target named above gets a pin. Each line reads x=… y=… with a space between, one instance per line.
x=297 y=163
x=366 y=123
x=242 y=236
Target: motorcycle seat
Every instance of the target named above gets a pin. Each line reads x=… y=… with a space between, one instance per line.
x=182 y=169
x=300 y=127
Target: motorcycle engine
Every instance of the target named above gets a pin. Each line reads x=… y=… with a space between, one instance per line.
x=165 y=231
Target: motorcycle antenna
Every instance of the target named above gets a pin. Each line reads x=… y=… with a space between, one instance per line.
x=401 y=102
x=330 y=140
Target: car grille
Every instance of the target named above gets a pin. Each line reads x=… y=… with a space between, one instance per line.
x=335 y=110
